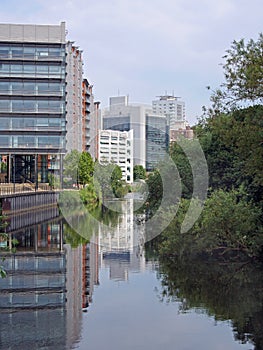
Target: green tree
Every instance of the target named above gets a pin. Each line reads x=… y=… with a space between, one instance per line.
x=85 y=168
x=109 y=181
x=139 y=172
x=71 y=164
x=243 y=71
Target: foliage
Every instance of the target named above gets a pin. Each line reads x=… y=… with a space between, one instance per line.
x=85 y=168
x=228 y=223
x=243 y=71
x=71 y=164
x=223 y=291
x=108 y=181
x=164 y=187
x=183 y=165
x=228 y=226
x=139 y=172
x=88 y=194
x=3 y=167
x=232 y=144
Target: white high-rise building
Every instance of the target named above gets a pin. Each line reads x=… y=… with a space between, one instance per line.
x=173 y=109
x=117 y=147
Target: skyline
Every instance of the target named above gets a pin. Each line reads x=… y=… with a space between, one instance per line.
x=144 y=50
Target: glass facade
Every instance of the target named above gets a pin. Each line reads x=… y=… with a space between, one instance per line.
x=117 y=123
x=32 y=107
x=32 y=97
x=156 y=141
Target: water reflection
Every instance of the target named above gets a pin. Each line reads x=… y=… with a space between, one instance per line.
x=225 y=291
x=52 y=279
x=121 y=247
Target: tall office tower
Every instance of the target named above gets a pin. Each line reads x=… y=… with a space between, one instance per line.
x=117 y=147
x=32 y=99
x=173 y=109
x=74 y=80
x=149 y=130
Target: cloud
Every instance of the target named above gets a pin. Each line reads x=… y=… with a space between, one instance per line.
x=144 y=47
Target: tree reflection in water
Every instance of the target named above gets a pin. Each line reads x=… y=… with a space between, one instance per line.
x=225 y=291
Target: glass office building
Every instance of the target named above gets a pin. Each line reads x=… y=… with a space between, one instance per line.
x=32 y=100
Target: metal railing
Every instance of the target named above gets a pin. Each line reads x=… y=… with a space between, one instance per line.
x=14 y=188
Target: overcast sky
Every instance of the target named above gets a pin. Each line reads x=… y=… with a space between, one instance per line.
x=145 y=48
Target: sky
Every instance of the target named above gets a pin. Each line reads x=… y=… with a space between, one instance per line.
x=148 y=48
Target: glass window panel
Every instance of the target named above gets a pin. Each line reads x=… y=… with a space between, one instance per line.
x=54 y=69
x=4 y=105
x=42 y=51
x=4 y=141
x=29 y=105
x=42 y=69
x=4 y=86
x=54 y=122
x=16 y=68
x=18 y=123
x=55 y=106
x=29 y=122
x=17 y=86
x=17 y=106
x=42 y=122
x=29 y=87
x=54 y=140
x=42 y=105
x=4 y=123
x=42 y=87
x=55 y=51
x=43 y=141
x=17 y=51
x=26 y=141
x=4 y=68
x=29 y=68
x=29 y=51
x=55 y=87
x=4 y=51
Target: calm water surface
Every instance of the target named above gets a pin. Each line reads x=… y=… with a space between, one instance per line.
x=65 y=293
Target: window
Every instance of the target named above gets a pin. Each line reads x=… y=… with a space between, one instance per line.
x=4 y=68
x=16 y=68
x=4 y=86
x=4 y=105
x=4 y=141
x=4 y=123
x=17 y=52
x=4 y=51
x=17 y=87
x=29 y=52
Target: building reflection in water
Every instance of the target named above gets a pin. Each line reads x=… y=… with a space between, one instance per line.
x=121 y=247
x=49 y=281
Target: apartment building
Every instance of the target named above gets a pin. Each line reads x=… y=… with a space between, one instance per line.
x=117 y=147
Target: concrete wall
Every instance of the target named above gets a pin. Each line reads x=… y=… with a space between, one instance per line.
x=33 y=33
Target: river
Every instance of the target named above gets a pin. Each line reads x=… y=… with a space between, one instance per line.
x=104 y=290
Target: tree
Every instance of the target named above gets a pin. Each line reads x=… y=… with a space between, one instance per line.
x=109 y=179
x=139 y=172
x=243 y=71
x=85 y=168
x=71 y=163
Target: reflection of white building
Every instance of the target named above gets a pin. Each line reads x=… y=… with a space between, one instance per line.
x=121 y=246
x=117 y=147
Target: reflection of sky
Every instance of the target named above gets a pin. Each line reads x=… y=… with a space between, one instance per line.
x=130 y=316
